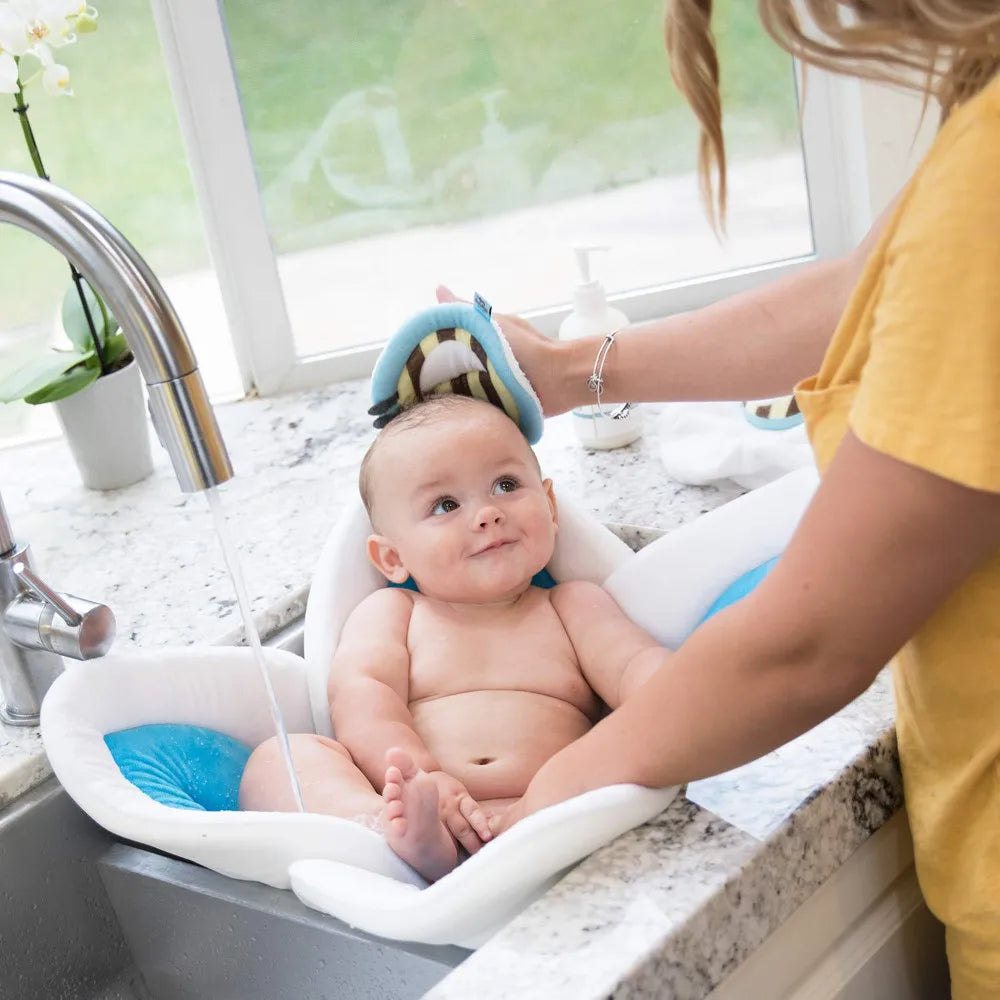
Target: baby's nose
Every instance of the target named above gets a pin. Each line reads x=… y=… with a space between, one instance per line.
x=489 y=515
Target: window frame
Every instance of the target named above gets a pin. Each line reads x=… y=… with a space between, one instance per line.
x=203 y=81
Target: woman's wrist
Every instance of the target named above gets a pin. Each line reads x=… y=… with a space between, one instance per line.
x=573 y=370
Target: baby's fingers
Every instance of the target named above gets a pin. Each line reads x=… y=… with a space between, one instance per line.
x=460 y=828
x=478 y=820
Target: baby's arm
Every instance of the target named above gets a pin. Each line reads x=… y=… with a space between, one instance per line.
x=616 y=656
x=369 y=686
x=368 y=691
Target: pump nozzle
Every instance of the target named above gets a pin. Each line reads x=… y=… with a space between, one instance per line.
x=583 y=260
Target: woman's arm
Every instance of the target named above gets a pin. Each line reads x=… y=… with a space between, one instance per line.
x=752 y=346
x=879 y=549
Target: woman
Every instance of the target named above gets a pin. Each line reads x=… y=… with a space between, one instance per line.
x=894 y=352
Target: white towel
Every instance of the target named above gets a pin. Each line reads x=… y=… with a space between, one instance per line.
x=702 y=443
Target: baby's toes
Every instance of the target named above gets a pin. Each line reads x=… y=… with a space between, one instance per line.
x=392 y=790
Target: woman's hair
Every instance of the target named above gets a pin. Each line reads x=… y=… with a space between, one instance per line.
x=949 y=49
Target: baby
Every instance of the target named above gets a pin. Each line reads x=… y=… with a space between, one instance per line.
x=446 y=702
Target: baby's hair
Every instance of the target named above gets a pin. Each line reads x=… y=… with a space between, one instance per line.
x=948 y=49
x=427 y=411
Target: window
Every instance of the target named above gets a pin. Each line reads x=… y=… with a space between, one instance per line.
x=415 y=141
x=349 y=156
x=477 y=142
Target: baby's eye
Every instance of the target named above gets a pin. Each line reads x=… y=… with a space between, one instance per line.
x=444 y=506
x=506 y=484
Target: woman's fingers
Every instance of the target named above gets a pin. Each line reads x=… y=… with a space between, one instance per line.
x=502 y=822
x=445 y=294
x=535 y=353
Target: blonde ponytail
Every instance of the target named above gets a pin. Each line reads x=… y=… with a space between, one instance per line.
x=947 y=49
x=694 y=66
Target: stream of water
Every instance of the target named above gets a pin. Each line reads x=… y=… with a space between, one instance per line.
x=231 y=556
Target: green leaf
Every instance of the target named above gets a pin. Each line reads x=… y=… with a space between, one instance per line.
x=115 y=348
x=69 y=382
x=37 y=374
x=74 y=320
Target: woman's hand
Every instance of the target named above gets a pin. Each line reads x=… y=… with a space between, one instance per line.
x=501 y=822
x=543 y=360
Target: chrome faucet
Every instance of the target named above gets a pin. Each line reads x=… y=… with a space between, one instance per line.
x=39 y=626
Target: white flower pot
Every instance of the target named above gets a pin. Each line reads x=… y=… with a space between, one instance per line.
x=107 y=429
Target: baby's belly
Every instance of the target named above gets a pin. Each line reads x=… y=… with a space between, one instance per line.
x=495 y=741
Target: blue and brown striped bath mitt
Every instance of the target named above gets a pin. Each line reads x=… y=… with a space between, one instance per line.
x=453 y=349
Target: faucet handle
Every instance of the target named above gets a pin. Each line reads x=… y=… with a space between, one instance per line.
x=47 y=594
x=86 y=631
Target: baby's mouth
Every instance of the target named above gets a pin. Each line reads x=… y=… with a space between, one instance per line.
x=500 y=543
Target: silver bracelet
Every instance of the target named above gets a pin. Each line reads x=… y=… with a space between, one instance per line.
x=596 y=381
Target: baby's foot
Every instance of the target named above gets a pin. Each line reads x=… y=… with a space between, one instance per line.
x=413 y=828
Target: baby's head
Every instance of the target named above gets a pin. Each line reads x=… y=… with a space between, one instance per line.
x=457 y=501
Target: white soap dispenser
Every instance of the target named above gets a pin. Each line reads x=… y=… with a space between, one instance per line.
x=592 y=316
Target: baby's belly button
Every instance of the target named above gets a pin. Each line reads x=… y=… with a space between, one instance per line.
x=496 y=775
x=500 y=745
x=510 y=752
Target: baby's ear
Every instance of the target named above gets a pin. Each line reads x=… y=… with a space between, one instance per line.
x=551 y=496
x=384 y=556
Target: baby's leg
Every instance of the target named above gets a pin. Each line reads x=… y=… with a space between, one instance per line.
x=413 y=825
x=330 y=781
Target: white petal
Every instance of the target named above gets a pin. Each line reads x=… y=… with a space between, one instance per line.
x=57 y=10
x=8 y=74
x=43 y=54
x=56 y=29
x=13 y=32
x=44 y=20
x=55 y=80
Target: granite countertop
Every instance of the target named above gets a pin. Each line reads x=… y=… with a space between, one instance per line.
x=734 y=856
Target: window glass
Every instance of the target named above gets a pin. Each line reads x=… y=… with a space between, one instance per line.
x=409 y=142
x=116 y=144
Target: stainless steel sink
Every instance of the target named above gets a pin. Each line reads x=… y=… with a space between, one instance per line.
x=59 y=937
x=86 y=917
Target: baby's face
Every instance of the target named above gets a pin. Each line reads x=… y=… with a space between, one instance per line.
x=460 y=505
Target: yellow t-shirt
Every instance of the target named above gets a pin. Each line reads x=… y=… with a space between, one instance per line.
x=914 y=370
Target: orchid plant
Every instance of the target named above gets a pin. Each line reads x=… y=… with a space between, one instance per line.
x=31 y=32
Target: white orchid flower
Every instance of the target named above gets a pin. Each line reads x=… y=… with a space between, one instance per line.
x=8 y=74
x=48 y=21
x=55 y=81
x=34 y=28
x=25 y=25
x=14 y=37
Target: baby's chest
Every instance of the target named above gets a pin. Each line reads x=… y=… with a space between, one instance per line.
x=535 y=656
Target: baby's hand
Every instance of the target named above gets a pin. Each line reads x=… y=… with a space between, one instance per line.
x=461 y=813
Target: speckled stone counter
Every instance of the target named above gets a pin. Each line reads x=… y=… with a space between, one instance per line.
x=670 y=908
